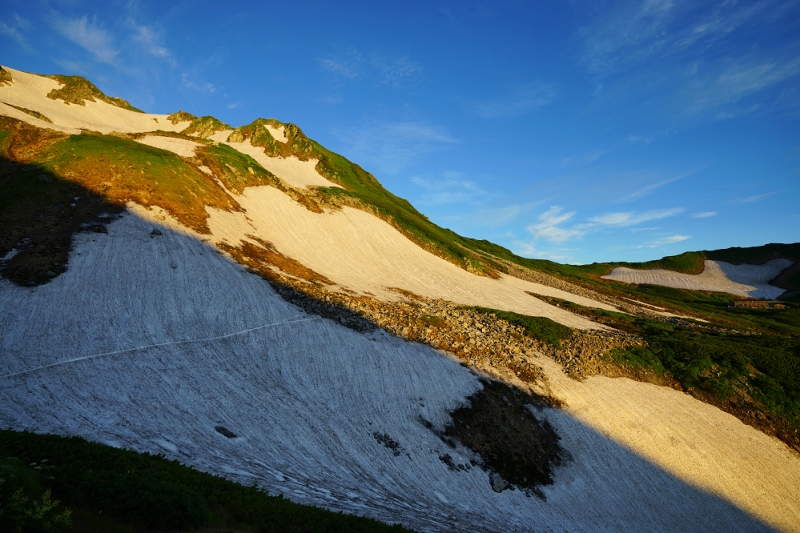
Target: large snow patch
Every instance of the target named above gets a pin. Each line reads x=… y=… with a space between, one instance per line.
x=360 y=251
x=150 y=342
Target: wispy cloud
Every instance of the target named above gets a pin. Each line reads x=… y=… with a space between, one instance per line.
x=552 y=225
x=518 y=101
x=639 y=139
x=396 y=71
x=634 y=32
x=549 y=227
x=633 y=218
x=583 y=159
x=737 y=81
x=342 y=67
x=753 y=198
x=150 y=40
x=704 y=214
x=737 y=112
x=188 y=81
x=496 y=217
x=13 y=27
x=526 y=249
x=353 y=65
x=665 y=241
x=644 y=191
x=331 y=100
x=234 y=105
x=392 y=146
x=451 y=188
x=627 y=34
x=90 y=36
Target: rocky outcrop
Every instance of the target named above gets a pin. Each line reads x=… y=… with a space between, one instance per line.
x=5 y=77
x=181 y=116
x=77 y=90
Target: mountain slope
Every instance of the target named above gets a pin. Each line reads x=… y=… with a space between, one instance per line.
x=125 y=349
x=151 y=329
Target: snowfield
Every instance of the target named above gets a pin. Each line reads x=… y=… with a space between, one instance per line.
x=360 y=251
x=150 y=342
x=748 y=281
x=30 y=91
x=182 y=147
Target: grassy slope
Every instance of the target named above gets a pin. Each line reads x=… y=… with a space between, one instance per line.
x=113 y=490
x=748 y=363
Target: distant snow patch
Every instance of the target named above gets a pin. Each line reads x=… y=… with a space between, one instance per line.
x=718 y=276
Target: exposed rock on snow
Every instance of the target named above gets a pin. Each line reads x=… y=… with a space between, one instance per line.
x=741 y=280
x=498 y=483
x=122 y=348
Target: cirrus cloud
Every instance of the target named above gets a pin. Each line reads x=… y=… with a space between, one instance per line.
x=89 y=35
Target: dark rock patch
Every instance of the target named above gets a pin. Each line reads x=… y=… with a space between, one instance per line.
x=519 y=450
x=390 y=444
x=222 y=430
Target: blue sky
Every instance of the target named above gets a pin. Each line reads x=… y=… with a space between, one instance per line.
x=573 y=131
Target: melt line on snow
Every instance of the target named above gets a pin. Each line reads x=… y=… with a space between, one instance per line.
x=185 y=341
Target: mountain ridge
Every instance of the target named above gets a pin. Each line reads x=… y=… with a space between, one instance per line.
x=158 y=245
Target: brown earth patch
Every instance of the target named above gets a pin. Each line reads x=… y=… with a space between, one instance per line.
x=259 y=257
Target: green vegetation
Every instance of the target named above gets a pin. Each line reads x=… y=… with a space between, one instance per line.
x=432 y=320
x=24 y=504
x=122 y=169
x=538 y=327
x=235 y=169
x=30 y=112
x=203 y=127
x=181 y=116
x=110 y=489
x=76 y=90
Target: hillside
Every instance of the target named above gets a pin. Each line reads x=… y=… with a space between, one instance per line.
x=257 y=307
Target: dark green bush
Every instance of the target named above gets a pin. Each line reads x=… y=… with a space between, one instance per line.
x=537 y=327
